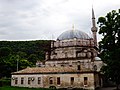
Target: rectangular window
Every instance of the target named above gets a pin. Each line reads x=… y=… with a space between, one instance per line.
x=72 y=80
x=39 y=80
x=29 y=80
x=58 y=80
x=22 y=80
x=85 y=80
x=16 y=80
x=66 y=55
x=62 y=65
x=78 y=67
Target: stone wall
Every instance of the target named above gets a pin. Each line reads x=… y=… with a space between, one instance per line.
x=65 y=80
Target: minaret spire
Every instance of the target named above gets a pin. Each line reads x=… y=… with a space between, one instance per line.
x=94 y=28
x=93 y=18
x=73 y=27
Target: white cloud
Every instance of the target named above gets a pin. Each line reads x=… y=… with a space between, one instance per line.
x=40 y=19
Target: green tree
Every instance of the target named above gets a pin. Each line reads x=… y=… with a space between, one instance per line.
x=16 y=60
x=5 y=68
x=28 y=51
x=33 y=58
x=110 y=45
x=4 y=51
x=4 y=61
x=23 y=63
x=21 y=54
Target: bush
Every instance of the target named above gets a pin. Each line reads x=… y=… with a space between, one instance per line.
x=5 y=82
x=70 y=88
x=52 y=87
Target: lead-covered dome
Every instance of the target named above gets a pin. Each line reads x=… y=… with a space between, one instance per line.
x=71 y=34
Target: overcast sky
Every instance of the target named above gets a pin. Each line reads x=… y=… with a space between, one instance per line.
x=47 y=19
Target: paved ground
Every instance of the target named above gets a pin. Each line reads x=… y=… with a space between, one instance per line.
x=108 y=88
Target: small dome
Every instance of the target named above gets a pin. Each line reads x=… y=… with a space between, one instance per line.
x=97 y=58
x=71 y=34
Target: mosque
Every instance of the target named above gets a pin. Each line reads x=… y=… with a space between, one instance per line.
x=72 y=62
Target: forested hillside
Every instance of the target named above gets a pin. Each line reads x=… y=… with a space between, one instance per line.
x=25 y=52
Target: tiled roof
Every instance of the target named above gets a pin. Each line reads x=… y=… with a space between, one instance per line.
x=48 y=70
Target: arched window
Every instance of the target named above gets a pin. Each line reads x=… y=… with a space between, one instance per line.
x=51 y=80
x=95 y=67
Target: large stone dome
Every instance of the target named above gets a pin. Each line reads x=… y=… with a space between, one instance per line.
x=71 y=34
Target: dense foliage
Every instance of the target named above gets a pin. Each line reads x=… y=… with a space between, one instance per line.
x=25 y=52
x=5 y=82
x=110 y=45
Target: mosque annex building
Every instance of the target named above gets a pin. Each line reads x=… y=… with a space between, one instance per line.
x=72 y=62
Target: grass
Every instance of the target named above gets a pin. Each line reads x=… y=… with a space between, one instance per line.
x=20 y=88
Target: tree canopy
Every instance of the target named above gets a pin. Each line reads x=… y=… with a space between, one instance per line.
x=110 y=45
x=25 y=52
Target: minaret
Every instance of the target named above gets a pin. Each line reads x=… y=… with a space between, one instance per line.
x=94 y=28
x=73 y=27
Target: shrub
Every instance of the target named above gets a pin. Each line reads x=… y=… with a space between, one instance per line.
x=5 y=82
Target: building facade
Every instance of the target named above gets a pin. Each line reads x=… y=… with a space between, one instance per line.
x=72 y=62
